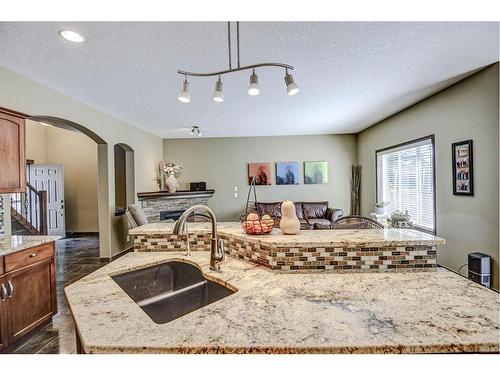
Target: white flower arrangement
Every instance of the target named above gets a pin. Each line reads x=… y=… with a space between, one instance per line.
x=163 y=170
x=172 y=169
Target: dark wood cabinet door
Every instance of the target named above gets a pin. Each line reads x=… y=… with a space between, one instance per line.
x=3 y=316
x=12 y=153
x=32 y=297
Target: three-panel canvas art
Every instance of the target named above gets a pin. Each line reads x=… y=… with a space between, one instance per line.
x=288 y=173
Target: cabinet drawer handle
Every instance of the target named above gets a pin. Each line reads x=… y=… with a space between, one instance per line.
x=10 y=289
x=32 y=255
x=3 y=293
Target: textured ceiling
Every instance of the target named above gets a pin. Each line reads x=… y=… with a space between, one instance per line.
x=351 y=75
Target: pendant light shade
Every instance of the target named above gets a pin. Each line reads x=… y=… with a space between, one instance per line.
x=253 y=89
x=291 y=87
x=184 y=95
x=218 y=95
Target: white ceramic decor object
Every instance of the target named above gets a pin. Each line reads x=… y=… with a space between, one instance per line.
x=289 y=223
x=171 y=184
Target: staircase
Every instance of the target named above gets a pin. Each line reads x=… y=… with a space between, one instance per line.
x=23 y=222
x=29 y=211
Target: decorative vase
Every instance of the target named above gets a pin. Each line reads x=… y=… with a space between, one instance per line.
x=161 y=184
x=171 y=183
x=380 y=210
x=289 y=223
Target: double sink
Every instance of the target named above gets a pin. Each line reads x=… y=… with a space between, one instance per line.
x=170 y=290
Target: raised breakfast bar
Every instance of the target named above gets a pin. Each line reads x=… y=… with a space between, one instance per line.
x=337 y=250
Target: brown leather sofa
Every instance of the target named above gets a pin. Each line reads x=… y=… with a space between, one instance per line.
x=312 y=215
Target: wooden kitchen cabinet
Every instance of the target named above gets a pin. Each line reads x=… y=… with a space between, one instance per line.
x=33 y=298
x=3 y=314
x=12 y=152
x=30 y=285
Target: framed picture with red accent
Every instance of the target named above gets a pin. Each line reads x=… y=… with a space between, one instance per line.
x=463 y=176
x=261 y=172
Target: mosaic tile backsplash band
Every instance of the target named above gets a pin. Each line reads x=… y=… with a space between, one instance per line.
x=2 y=216
x=400 y=258
x=172 y=242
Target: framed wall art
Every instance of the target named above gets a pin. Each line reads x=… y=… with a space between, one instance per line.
x=261 y=172
x=315 y=172
x=287 y=173
x=463 y=176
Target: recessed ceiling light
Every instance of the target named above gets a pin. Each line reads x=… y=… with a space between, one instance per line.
x=71 y=36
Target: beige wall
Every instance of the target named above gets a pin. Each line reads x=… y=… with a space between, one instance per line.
x=24 y=95
x=222 y=164
x=36 y=146
x=78 y=154
x=466 y=110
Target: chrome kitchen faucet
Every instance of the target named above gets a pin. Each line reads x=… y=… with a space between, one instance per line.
x=217 y=254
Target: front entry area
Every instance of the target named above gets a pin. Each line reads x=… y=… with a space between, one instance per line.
x=50 y=177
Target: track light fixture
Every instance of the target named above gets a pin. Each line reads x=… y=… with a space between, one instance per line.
x=253 y=88
x=218 y=94
x=291 y=87
x=195 y=131
x=184 y=95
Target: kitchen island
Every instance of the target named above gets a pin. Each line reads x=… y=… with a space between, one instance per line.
x=335 y=250
x=276 y=312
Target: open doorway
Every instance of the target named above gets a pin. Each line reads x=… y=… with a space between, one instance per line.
x=62 y=194
x=124 y=176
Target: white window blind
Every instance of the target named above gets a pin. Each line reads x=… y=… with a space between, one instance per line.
x=405 y=177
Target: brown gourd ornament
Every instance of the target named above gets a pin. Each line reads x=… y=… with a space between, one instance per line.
x=289 y=223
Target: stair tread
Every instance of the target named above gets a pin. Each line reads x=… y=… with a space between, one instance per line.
x=23 y=222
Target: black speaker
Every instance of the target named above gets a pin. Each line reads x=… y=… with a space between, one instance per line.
x=198 y=186
x=480 y=268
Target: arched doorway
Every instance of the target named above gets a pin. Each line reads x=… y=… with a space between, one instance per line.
x=102 y=177
x=124 y=176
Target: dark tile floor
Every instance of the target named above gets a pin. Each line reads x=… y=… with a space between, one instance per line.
x=76 y=257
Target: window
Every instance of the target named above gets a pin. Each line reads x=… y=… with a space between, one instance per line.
x=405 y=181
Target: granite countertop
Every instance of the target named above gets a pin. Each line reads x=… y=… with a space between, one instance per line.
x=11 y=244
x=331 y=238
x=292 y=313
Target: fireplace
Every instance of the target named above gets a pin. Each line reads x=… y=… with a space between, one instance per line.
x=161 y=205
x=174 y=215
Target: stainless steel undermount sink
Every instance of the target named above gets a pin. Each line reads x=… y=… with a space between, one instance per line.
x=170 y=290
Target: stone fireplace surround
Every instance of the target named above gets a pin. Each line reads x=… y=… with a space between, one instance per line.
x=162 y=203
